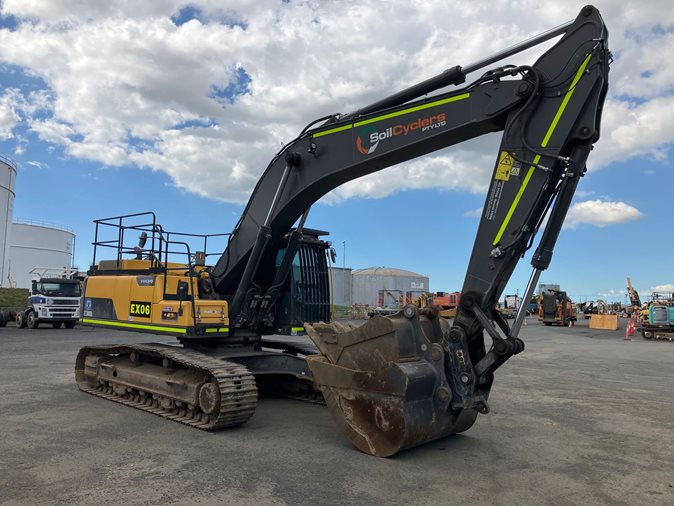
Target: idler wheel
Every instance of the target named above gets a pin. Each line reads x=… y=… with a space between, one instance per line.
x=209 y=398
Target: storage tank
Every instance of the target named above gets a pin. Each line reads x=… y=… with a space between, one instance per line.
x=7 y=182
x=368 y=283
x=38 y=245
x=340 y=286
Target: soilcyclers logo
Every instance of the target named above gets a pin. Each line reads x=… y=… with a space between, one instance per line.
x=374 y=137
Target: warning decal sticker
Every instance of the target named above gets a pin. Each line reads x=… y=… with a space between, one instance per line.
x=504 y=167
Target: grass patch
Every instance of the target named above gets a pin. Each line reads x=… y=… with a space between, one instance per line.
x=13 y=298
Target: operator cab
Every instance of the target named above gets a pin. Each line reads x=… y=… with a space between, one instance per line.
x=56 y=287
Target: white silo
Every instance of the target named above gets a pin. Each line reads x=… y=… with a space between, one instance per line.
x=7 y=181
x=383 y=286
x=38 y=245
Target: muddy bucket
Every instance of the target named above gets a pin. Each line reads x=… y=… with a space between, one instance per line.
x=384 y=382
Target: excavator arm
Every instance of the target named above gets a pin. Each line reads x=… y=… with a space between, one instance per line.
x=399 y=381
x=635 y=300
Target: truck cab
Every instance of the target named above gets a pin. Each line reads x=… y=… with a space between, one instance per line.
x=52 y=300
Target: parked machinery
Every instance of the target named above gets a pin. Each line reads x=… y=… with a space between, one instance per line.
x=555 y=308
x=390 y=302
x=634 y=308
x=445 y=303
x=54 y=299
x=394 y=382
x=659 y=323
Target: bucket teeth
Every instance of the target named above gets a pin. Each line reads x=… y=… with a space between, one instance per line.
x=382 y=383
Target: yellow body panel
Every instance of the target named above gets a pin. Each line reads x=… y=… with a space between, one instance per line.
x=139 y=302
x=132 y=264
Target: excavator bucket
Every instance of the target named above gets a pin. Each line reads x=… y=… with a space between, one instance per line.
x=384 y=381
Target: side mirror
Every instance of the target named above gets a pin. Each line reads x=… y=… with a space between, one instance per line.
x=33 y=287
x=142 y=240
x=333 y=255
x=182 y=290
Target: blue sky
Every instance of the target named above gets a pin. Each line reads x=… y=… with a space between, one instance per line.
x=182 y=105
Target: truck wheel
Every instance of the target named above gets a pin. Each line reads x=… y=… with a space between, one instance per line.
x=69 y=325
x=21 y=320
x=32 y=320
x=56 y=325
x=3 y=319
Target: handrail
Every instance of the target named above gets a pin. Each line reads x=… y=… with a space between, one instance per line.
x=162 y=244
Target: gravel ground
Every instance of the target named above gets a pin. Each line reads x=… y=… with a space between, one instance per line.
x=581 y=417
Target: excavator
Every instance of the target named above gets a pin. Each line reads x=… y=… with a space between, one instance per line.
x=635 y=302
x=394 y=382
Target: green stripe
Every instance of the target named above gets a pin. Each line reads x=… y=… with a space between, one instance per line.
x=395 y=114
x=414 y=109
x=513 y=206
x=297 y=329
x=210 y=331
x=544 y=143
x=135 y=326
x=332 y=131
x=564 y=103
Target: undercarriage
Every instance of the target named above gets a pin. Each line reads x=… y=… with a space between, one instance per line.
x=206 y=388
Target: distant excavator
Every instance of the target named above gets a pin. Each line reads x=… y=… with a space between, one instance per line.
x=394 y=382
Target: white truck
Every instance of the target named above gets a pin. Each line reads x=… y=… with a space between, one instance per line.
x=55 y=298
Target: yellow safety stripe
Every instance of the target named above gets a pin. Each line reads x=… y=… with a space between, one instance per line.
x=221 y=329
x=544 y=143
x=421 y=107
x=297 y=329
x=135 y=325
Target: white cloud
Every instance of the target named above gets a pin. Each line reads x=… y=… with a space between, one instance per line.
x=8 y=118
x=14 y=106
x=474 y=213
x=666 y=288
x=635 y=130
x=600 y=213
x=613 y=294
x=126 y=86
x=454 y=170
